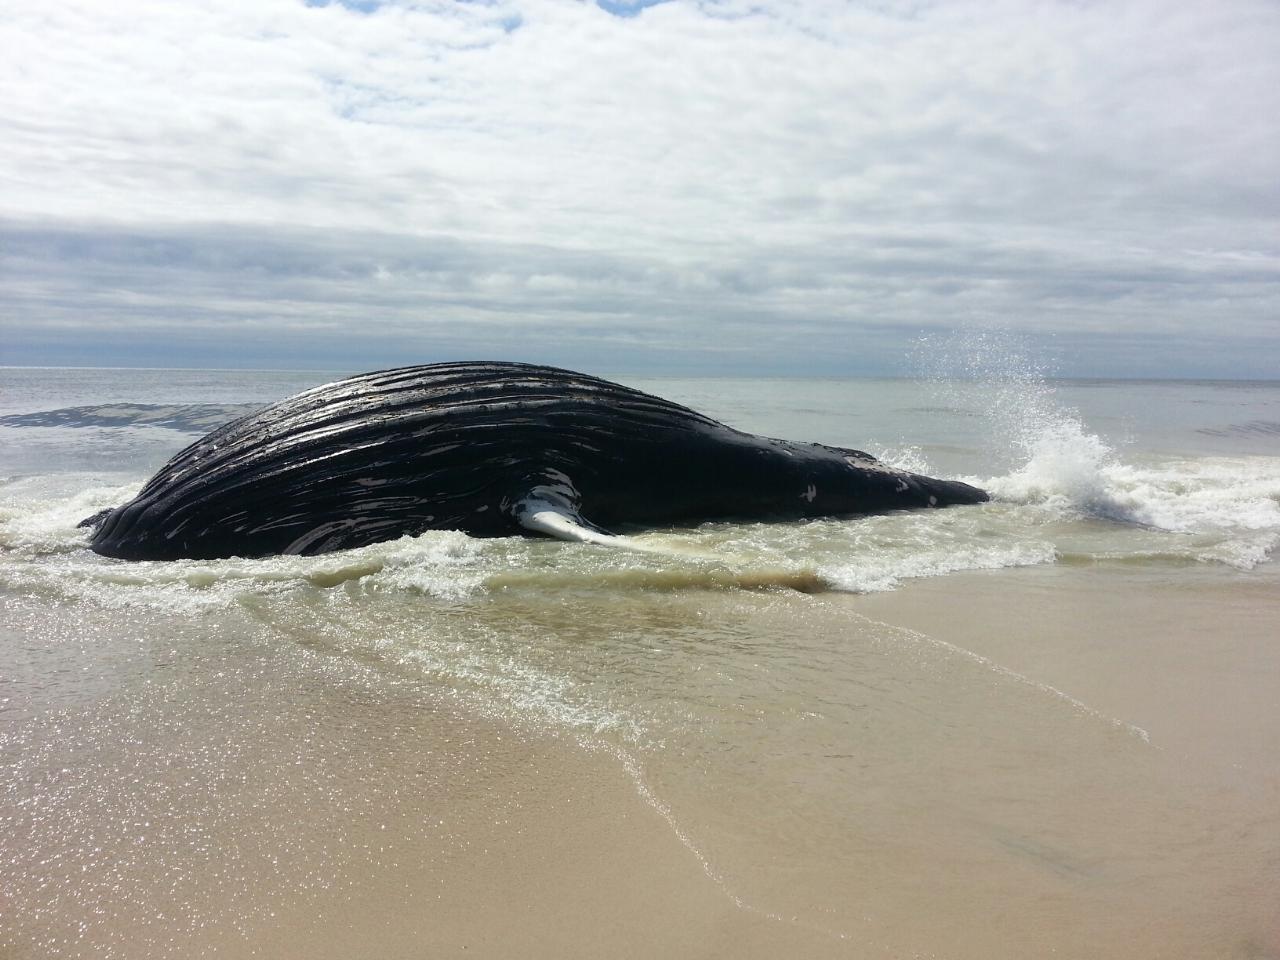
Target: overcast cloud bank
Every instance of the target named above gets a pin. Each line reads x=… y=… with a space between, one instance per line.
x=714 y=187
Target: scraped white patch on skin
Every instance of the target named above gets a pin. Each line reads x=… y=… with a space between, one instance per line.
x=933 y=501
x=810 y=494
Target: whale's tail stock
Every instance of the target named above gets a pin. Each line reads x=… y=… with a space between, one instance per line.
x=950 y=493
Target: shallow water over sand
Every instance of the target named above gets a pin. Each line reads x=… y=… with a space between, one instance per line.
x=1043 y=725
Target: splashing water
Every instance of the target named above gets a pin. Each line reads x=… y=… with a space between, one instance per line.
x=1058 y=465
x=1065 y=466
x=1054 y=456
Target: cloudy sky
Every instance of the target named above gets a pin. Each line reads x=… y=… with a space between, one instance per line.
x=719 y=187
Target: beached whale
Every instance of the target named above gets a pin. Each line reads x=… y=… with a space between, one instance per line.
x=492 y=449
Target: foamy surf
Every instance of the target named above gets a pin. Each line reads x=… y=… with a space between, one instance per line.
x=39 y=515
x=1100 y=510
x=1205 y=509
x=1068 y=497
x=1222 y=510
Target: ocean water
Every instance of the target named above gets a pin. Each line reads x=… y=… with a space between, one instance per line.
x=1164 y=473
x=824 y=764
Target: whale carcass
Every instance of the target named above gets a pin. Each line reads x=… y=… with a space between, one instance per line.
x=491 y=449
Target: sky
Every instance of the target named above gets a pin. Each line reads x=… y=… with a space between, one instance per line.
x=761 y=187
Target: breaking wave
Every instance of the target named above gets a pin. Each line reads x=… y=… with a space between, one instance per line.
x=1228 y=509
x=1209 y=509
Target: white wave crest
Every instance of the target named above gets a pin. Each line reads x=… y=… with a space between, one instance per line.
x=43 y=550
x=881 y=572
x=38 y=519
x=1065 y=467
x=1204 y=509
x=1229 y=506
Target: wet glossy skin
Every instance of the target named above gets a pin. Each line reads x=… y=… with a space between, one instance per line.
x=465 y=446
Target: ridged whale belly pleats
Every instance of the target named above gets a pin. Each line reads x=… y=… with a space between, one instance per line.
x=492 y=449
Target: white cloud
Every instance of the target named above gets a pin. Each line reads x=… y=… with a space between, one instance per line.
x=806 y=177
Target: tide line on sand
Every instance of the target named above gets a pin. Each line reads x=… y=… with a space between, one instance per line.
x=1078 y=705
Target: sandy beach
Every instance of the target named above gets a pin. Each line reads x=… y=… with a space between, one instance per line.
x=225 y=795
x=1045 y=726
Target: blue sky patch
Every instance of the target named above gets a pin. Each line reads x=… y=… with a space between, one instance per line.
x=626 y=8
x=359 y=6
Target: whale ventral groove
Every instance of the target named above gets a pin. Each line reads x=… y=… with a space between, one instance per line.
x=491 y=449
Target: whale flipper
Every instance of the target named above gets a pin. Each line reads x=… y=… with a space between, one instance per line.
x=561 y=521
x=551 y=507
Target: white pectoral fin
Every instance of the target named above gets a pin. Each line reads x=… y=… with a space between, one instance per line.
x=556 y=517
x=551 y=507
x=562 y=523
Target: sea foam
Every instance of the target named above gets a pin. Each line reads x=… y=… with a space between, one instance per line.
x=1209 y=509
x=1230 y=506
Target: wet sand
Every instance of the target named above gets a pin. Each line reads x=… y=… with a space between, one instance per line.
x=214 y=794
x=218 y=792
x=1194 y=661
x=1193 y=868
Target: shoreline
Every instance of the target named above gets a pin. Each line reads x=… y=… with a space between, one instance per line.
x=168 y=818
x=226 y=789
x=1195 y=670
